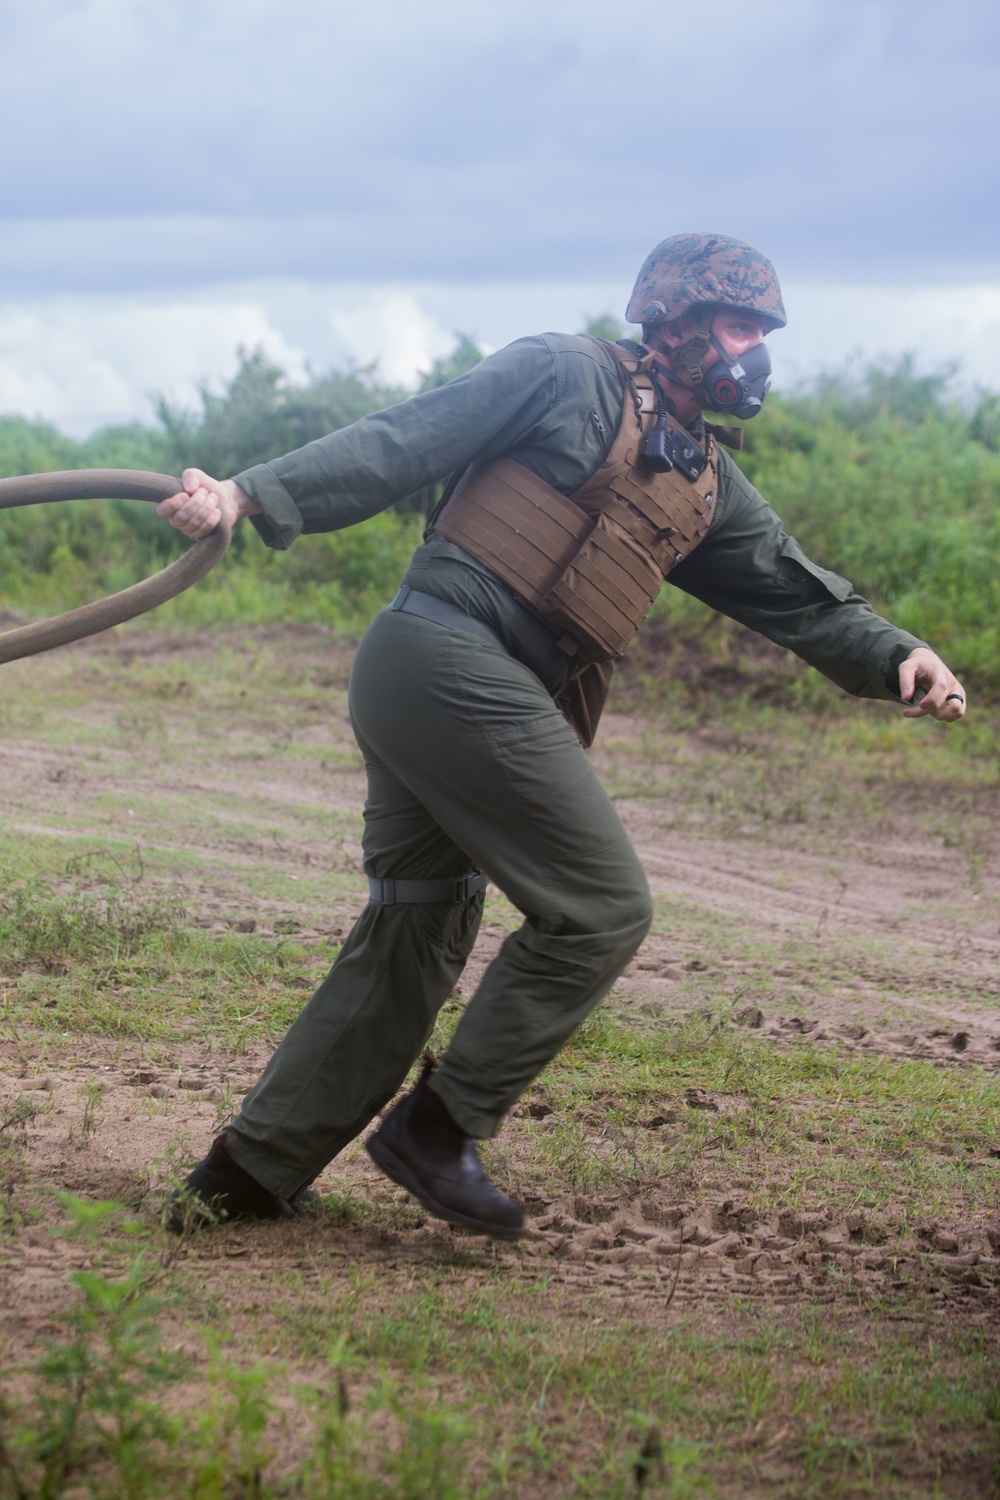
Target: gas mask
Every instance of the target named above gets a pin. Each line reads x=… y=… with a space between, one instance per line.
x=734 y=385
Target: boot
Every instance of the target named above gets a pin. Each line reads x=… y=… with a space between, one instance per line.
x=218 y=1190
x=421 y=1148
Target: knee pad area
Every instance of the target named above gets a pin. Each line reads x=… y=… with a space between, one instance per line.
x=611 y=926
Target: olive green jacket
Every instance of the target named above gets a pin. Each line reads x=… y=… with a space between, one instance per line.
x=554 y=403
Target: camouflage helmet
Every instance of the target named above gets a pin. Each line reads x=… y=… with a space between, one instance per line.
x=692 y=270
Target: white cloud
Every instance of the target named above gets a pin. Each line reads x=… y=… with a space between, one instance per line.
x=89 y=362
x=84 y=362
x=829 y=324
x=390 y=327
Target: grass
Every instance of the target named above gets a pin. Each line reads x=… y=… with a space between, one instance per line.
x=123 y=962
x=767 y=779
x=798 y=1125
x=429 y=1385
x=358 y=1353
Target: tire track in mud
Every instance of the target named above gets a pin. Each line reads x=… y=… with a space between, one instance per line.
x=930 y=942
x=653 y=1244
x=871 y=896
x=925 y=918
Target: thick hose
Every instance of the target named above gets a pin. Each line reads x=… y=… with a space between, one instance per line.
x=105 y=484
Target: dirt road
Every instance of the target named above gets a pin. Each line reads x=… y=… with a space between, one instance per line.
x=835 y=889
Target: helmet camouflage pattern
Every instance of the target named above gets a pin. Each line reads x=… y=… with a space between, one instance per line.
x=692 y=270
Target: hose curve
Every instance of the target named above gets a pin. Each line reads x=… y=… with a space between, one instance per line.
x=105 y=484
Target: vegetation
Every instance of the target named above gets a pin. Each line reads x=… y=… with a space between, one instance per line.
x=886 y=481
x=880 y=474
x=163 y=919
x=179 y=859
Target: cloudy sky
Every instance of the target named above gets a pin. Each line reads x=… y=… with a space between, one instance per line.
x=341 y=181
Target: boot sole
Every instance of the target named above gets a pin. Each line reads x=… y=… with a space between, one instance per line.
x=389 y=1163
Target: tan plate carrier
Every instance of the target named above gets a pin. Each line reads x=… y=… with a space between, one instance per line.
x=588 y=565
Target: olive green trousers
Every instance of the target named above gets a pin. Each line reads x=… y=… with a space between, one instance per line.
x=470 y=764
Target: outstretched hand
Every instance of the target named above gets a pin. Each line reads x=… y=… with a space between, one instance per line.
x=196 y=510
x=944 y=696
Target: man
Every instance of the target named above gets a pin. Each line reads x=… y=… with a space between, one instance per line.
x=584 y=474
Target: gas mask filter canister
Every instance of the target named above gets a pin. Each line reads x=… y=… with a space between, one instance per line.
x=737 y=386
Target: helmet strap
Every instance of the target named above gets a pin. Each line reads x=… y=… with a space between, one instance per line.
x=689 y=358
x=663 y=370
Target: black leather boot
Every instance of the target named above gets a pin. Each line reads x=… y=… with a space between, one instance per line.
x=219 y=1190
x=419 y=1146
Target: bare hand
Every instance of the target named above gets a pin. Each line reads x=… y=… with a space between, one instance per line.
x=944 y=696
x=197 y=508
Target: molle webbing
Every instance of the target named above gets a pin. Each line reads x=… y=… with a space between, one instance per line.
x=591 y=564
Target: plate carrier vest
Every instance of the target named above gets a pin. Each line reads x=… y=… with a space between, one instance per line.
x=588 y=565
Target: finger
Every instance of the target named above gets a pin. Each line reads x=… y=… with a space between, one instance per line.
x=935 y=696
x=202 y=519
x=948 y=713
x=930 y=704
x=195 y=479
x=197 y=529
x=907 y=679
x=184 y=507
x=947 y=707
x=168 y=507
x=194 y=515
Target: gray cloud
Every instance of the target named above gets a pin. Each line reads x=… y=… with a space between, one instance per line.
x=185 y=143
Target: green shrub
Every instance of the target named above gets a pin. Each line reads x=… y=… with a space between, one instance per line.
x=875 y=472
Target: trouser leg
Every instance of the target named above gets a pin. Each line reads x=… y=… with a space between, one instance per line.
x=351 y=1047
x=480 y=743
x=466 y=752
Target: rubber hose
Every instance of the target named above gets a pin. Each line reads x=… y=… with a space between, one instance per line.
x=105 y=484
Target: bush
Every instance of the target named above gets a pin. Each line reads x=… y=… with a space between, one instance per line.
x=875 y=472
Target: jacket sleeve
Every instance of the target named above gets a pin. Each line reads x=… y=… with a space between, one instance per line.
x=359 y=470
x=749 y=568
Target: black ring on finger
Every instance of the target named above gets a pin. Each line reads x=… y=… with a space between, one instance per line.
x=958 y=697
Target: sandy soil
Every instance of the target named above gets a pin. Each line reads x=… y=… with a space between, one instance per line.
x=697 y=1247
x=922 y=909
x=923 y=922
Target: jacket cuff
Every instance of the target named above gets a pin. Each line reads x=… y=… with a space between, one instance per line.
x=280 y=520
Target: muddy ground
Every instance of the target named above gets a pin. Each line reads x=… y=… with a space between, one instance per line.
x=871 y=908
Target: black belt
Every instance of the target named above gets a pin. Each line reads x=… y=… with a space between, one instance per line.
x=459 y=888
x=412 y=602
